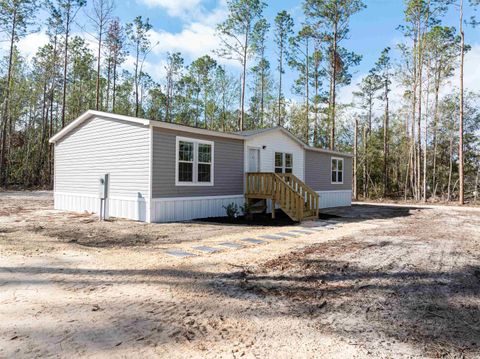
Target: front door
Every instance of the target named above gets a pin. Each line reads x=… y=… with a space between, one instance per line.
x=253 y=160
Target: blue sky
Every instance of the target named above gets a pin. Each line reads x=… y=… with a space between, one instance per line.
x=188 y=26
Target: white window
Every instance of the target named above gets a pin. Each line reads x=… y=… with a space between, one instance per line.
x=194 y=162
x=337 y=170
x=283 y=162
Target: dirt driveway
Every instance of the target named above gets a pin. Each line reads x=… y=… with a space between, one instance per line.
x=386 y=282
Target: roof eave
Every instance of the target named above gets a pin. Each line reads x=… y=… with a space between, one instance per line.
x=197 y=130
x=92 y=113
x=328 y=152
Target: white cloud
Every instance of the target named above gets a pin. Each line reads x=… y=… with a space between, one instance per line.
x=472 y=70
x=471 y=83
x=29 y=45
x=194 y=40
x=175 y=8
x=155 y=70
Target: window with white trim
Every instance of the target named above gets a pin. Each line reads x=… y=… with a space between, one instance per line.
x=194 y=162
x=283 y=162
x=337 y=170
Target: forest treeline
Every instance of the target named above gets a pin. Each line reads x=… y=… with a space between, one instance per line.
x=413 y=134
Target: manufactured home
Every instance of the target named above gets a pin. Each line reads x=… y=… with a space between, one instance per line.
x=156 y=171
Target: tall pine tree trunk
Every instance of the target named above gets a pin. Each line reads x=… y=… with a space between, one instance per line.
x=385 y=141
x=97 y=85
x=65 y=67
x=355 y=160
x=114 y=89
x=307 y=96
x=461 y=189
x=6 y=117
x=434 y=131
x=450 y=170
x=333 y=88
x=137 y=103
x=280 y=65
x=244 y=78
x=365 y=168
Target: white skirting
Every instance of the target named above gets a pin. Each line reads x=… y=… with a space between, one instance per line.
x=122 y=207
x=186 y=208
x=335 y=198
x=173 y=209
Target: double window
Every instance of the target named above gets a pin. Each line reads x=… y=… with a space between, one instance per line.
x=194 y=161
x=283 y=162
x=337 y=170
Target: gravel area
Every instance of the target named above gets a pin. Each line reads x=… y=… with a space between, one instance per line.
x=378 y=281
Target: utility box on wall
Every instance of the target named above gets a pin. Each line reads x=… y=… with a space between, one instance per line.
x=103 y=195
x=103 y=186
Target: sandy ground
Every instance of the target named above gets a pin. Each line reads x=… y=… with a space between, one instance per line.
x=386 y=282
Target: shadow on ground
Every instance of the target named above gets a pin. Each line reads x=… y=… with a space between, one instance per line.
x=354 y=213
x=432 y=310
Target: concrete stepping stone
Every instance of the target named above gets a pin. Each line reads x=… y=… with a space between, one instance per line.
x=321 y=224
x=288 y=234
x=275 y=237
x=303 y=231
x=231 y=245
x=317 y=229
x=179 y=253
x=253 y=240
x=206 y=249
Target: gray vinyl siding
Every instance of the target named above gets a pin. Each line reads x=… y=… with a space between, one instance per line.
x=318 y=173
x=228 y=166
x=100 y=146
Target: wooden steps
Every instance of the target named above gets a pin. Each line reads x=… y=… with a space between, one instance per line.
x=292 y=195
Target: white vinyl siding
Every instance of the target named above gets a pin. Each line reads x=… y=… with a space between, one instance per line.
x=100 y=146
x=276 y=141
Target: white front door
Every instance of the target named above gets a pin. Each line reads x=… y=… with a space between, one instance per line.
x=253 y=160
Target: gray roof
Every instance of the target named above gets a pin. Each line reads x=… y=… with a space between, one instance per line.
x=254 y=132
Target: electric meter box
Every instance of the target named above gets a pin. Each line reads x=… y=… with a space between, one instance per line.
x=103 y=186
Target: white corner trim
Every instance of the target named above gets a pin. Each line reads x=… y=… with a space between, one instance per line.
x=150 y=176
x=196 y=142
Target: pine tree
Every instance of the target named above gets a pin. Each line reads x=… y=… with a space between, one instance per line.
x=139 y=39
x=100 y=16
x=283 y=31
x=331 y=19
x=235 y=35
x=15 y=18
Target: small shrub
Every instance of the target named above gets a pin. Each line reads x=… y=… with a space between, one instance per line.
x=232 y=210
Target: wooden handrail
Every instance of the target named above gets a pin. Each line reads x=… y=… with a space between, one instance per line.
x=292 y=195
x=312 y=198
